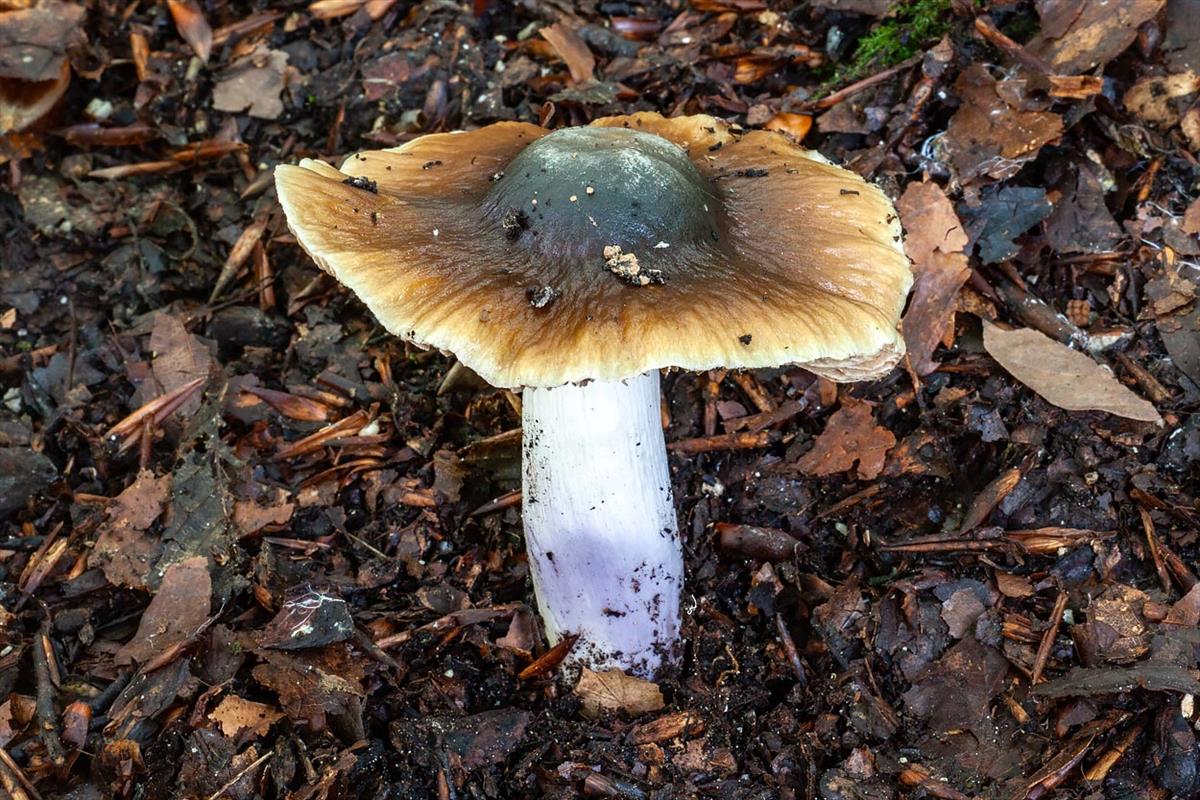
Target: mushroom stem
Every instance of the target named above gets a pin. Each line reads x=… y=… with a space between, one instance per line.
x=600 y=528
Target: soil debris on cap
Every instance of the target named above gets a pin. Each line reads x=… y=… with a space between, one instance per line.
x=542 y=296
x=366 y=184
x=513 y=222
x=626 y=267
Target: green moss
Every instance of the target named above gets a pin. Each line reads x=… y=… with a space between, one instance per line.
x=912 y=26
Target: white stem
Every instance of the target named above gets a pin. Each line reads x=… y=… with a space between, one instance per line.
x=600 y=529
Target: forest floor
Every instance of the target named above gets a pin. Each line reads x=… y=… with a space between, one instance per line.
x=252 y=546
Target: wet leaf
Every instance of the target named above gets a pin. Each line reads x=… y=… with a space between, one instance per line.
x=200 y=520
x=1062 y=376
x=954 y=691
x=179 y=359
x=311 y=692
x=988 y=136
x=1078 y=36
x=485 y=738
x=123 y=550
x=177 y=612
x=1004 y=214
x=309 y=618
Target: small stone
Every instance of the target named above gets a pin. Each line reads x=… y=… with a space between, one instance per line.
x=23 y=473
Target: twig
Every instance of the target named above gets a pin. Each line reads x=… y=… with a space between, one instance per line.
x=10 y=771
x=241 y=250
x=789 y=647
x=754 y=390
x=722 y=441
x=253 y=765
x=1149 y=384
x=1152 y=545
x=847 y=502
x=375 y=651
x=1047 y=644
x=712 y=393
x=1032 y=311
x=1099 y=771
x=988 y=30
x=44 y=712
x=829 y=101
x=510 y=500
x=101 y=702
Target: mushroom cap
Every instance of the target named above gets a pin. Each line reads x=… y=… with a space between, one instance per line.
x=600 y=252
x=34 y=69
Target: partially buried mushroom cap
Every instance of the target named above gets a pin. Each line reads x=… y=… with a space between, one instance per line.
x=34 y=69
x=600 y=252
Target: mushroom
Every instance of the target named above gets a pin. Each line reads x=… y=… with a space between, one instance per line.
x=34 y=69
x=578 y=263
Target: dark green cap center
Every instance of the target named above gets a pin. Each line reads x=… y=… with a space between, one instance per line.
x=577 y=191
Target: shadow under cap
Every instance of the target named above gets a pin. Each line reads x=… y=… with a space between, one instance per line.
x=809 y=269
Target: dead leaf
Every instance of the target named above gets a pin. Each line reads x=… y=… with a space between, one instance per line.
x=1080 y=221
x=796 y=126
x=1115 y=629
x=850 y=436
x=1191 y=218
x=1189 y=125
x=1078 y=36
x=1181 y=336
x=179 y=358
x=311 y=690
x=1151 y=98
x=572 y=49
x=123 y=550
x=1011 y=585
x=249 y=517
x=1062 y=376
x=309 y=618
x=16 y=712
x=193 y=28
x=612 y=690
x=253 y=84
x=954 y=691
x=987 y=135
x=178 y=610
x=235 y=714
x=929 y=222
x=1186 y=610
x=960 y=611
x=934 y=241
x=482 y=739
